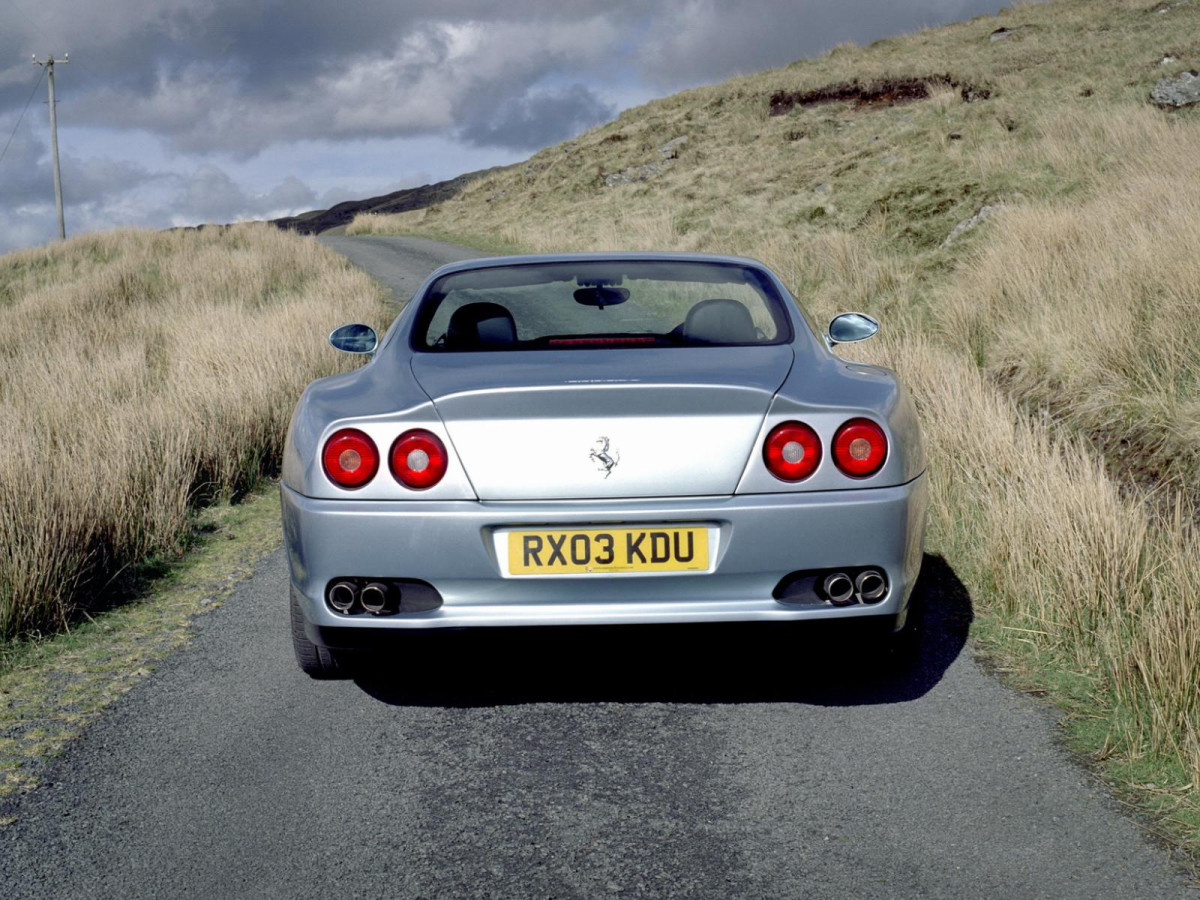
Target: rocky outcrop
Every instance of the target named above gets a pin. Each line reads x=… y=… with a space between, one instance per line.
x=669 y=153
x=968 y=224
x=1181 y=90
x=670 y=150
x=644 y=172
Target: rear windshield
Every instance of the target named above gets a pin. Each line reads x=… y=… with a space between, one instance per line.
x=590 y=304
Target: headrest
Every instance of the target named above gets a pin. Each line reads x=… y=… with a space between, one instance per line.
x=479 y=325
x=719 y=321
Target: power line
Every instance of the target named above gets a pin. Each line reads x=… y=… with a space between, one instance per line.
x=22 y=115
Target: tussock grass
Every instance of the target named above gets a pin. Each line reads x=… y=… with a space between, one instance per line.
x=141 y=374
x=53 y=688
x=1087 y=308
x=1063 y=318
x=1093 y=582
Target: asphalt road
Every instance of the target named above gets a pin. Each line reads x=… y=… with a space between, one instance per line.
x=730 y=762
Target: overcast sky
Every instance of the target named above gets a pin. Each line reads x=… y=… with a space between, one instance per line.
x=175 y=112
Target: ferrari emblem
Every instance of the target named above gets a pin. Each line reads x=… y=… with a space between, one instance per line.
x=602 y=458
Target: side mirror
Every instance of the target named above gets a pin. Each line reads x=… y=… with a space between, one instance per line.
x=850 y=327
x=354 y=338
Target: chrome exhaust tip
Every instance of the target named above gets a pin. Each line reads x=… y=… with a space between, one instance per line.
x=374 y=598
x=838 y=588
x=870 y=585
x=342 y=596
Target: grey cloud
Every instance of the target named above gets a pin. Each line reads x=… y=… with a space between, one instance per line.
x=28 y=178
x=102 y=193
x=423 y=85
x=708 y=40
x=211 y=195
x=289 y=194
x=236 y=76
x=92 y=180
x=539 y=118
x=21 y=172
x=98 y=193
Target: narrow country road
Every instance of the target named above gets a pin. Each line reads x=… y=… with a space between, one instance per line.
x=724 y=763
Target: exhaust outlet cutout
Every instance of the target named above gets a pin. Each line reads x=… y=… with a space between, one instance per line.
x=870 y=586
x=838 y=588
x=342 y=596
x=374 y=598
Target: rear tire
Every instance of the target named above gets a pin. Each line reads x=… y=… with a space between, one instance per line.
x=314 y=660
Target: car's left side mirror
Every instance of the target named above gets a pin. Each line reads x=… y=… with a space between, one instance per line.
x=354 y=338
x=850 y=327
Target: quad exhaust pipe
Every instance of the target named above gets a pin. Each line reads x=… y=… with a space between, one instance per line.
x=354 y=596
x=343 y=595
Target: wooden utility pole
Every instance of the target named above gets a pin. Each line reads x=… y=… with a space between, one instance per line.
x=49 y=63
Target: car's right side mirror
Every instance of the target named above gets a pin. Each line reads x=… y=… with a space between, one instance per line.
x=850 y=327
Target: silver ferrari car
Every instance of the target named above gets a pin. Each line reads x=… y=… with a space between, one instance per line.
x=599 y=439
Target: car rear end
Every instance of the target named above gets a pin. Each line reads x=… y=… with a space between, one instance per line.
x=569 y=476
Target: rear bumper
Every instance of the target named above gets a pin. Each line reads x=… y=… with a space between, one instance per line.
x=450 y=545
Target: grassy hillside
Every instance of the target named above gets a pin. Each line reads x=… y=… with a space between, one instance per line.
x=404 y=200
x=142 y=374
x=1001 y=194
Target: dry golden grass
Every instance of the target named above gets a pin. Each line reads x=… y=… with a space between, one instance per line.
x=1054 y=554
x=1063 y=318
x=1088 y=307
x=141 y=373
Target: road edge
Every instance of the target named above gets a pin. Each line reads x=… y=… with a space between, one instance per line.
x=52 y=688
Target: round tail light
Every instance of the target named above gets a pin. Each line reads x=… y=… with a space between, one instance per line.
x=792 y=451
x=350 y=458
x=859 y=448
x=418 y=459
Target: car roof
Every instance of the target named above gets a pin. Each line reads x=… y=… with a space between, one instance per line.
x=640 y=256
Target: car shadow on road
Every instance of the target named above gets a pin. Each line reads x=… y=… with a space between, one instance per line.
x=816 y=663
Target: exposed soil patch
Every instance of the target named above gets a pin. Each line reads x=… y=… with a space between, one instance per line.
x=885 y=92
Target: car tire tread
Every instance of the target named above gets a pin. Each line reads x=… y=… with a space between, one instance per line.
x=314 y=660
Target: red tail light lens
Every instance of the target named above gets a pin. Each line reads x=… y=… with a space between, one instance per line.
x=418 y=459
x=350 y=458
x=859 y=448
x=792 y=451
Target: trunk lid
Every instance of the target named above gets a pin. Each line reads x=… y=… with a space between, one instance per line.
x=604 y=424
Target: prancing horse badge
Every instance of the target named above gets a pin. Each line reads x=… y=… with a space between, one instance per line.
x=603 y=459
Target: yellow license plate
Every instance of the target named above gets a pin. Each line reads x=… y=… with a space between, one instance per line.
x=605 y=550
